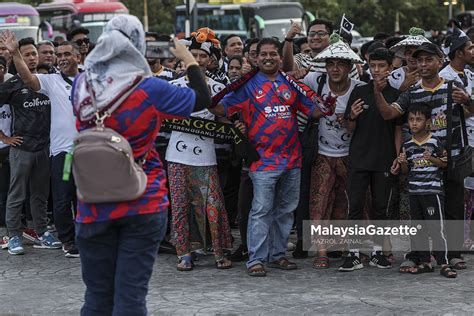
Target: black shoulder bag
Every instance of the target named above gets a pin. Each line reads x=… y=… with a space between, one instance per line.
x=459 y=166
x=309 y=138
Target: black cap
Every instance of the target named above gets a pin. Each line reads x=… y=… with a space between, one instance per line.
x=429 y=48
x=78 y=30
x=454 y=40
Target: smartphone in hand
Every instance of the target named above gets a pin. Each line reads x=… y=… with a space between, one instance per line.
x=158 y=49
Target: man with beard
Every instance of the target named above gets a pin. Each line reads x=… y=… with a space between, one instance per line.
x=268 y=103
x=63 y=129
x=29 y=155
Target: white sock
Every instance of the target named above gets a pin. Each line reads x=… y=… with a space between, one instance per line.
x=355 y=252
x=375 y=249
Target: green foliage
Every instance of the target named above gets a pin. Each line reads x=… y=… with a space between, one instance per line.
x=369 y=16
x=373 y=16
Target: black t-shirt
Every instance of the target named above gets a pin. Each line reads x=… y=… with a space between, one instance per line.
x=373 y=144
x=31 y=113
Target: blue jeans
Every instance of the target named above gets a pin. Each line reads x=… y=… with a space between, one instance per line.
x=117 y=258
x=275 y=197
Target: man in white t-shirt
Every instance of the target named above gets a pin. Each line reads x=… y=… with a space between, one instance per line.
x=63 y=129
x=329 y=171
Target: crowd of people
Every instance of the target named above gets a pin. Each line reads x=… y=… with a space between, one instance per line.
x=333 y=134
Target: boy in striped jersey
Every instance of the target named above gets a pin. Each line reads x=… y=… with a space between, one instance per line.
x=423 y=158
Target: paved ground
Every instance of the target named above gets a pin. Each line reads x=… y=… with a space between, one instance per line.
x=43 y=282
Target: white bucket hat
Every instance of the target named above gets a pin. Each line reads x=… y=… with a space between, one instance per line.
x=340 y=50
x=416 y=38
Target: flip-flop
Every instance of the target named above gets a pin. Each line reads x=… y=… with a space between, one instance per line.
x=188 y=263
x=406 y=266
x=457 y=264
x=321 y=263
x=448 y=272
x=257 y=270
x=221 y=264
x=422 y=268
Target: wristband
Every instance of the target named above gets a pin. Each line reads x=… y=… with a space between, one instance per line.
x=351 y=119
x=289 y=40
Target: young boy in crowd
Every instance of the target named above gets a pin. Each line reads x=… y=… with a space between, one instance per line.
x=423 y=158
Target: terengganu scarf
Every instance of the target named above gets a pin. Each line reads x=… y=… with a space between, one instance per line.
x=326 y=106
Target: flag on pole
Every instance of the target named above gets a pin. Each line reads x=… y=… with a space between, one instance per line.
x=346 y=25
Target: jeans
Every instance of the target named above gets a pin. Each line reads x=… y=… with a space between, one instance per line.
x=275 y=197
x=64 y=200
x=28 y=170
x=4 y=185
x=117 y=260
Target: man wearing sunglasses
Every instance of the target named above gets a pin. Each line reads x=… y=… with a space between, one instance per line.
x=79 y=36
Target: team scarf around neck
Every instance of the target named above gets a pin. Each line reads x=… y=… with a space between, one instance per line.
x=326 y=106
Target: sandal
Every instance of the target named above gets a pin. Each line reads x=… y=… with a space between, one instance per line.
x=283 y=264
x=321 y=263
x=406 y=266
x=421 y=268
x=223 y=264
x=448 y=272
x=188 y=263
x=457 y=264
x=257 y=270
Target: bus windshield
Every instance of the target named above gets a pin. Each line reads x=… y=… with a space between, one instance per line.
x=21 y=19
x=216 y=19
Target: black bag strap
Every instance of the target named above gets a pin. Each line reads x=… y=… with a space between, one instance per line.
x=66 y=78
x=449 y=110
x=463 y=128
x=321 y=81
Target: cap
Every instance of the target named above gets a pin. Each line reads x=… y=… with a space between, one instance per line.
x=429 y=48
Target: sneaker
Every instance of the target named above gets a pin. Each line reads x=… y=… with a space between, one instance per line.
x=240 y=254
x=380 y=261
x=290 y=246
x=71 y=251
x=4 y=242
x=351 y=263
x=14 y=246
x=31 y=235
x=48 y=241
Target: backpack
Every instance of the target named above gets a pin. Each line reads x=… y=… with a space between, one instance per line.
x=103 y=165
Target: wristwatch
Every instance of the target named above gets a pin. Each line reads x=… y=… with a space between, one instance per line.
x=289 y=40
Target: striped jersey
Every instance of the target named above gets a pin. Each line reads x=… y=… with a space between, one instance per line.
x=269 y=111
x=437 y=98
x=424 y=177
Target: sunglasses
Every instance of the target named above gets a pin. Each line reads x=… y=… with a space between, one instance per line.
x=318 y=34
x=81 y=41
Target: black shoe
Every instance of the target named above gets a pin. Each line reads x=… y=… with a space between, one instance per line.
x=71 y=251
x=299 y=253
x=351 y=263
x=380 y=261
x=240 y=254
x=166 y=247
